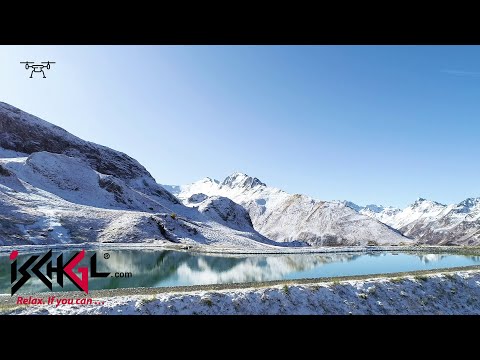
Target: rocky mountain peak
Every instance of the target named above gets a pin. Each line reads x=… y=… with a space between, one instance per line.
x=352 y=205
x=424 y=203
x=241 y=180
x=470 y=202
x=209 y=180
x=468 y=205
x=375 y=208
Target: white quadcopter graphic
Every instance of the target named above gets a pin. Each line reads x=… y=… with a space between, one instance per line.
x=37 y=68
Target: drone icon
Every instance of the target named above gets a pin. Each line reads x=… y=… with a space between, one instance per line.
x=36 y=67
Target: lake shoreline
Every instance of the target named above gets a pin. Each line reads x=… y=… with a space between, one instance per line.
x=208 y=249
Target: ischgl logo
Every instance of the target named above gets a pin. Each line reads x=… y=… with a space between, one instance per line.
x=35 y=263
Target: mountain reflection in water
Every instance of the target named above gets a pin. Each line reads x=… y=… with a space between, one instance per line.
x=152 y=268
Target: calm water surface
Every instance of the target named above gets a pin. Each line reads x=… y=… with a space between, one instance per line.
x=151 y=268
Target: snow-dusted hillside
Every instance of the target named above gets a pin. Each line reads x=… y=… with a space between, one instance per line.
x=431 y=222
x=57 y=188
x=285 y=217
x=441 y=293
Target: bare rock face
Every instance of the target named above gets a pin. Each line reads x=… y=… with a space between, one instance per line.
x=197 y=198
x=4 y=172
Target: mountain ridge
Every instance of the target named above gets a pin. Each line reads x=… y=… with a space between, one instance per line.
x=432 y=222
x=286 y=217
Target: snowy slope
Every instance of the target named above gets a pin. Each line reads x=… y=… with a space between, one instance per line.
x=439 y=293
x=433 y=223
x=224 y=210
x=57 y=188
x=283 y=217
x=384 y=214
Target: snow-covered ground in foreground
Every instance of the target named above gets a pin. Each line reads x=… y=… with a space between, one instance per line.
x=448 y=293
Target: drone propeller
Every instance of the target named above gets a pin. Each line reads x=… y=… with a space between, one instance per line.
x=48 y=63
x=26 y=63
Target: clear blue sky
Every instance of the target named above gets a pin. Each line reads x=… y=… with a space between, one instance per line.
x=371 y=124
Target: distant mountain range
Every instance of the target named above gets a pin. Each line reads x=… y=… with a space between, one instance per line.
x=285 y=217
x=430 y=222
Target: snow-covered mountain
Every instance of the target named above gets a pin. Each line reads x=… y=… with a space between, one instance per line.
x=58 y=188
x=284 y=217
x=431 y=222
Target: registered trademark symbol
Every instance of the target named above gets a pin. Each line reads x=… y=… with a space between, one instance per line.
x=106 y=256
